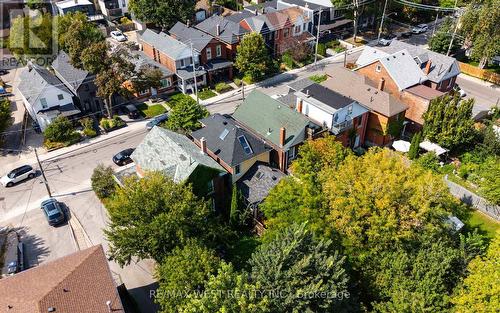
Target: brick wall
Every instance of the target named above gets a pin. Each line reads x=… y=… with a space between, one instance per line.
x=417 y=106
x=213 y=46
x=371 y=73
x=158 y=56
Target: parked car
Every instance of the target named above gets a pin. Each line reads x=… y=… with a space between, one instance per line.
x=156 y=121
x=131 y=111
x=17 y=175
x=123 y=157
x=154 y=99
x=386 y=40
x=118 y=36
x=460 y=91
x=420 y=28
x=53 y=211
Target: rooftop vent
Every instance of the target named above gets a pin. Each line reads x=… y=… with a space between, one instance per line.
x=51 y=309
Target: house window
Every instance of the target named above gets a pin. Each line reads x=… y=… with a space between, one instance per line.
x=237 y=169
x=43 y=101
x=297 y=29
x=285 y=33
x=60 y=97
x=349 y=109
x=209 y=53
x=165 y=82
x=218 y=50
x=210 y=187
x=143 y=92
x=304 y=27
x=378 y=68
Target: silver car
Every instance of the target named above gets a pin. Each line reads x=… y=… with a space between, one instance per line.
x=17 y=175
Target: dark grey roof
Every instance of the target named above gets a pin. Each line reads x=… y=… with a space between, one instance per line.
x=258 y=181
x=141 y=60
x=187 y=72
x=190 y=34
x=329 y=97
x=69 y=74
x=238 y=16
x=300 y=84
x=230 y=29
x=222 y=136
x=217 y=64
x=33 y=81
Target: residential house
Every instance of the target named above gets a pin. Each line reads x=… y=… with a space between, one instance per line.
x=44 y=96
x=230 y=145
x=78 y=282
x=281 y=127
x=387 y=113
x=79 y=82
x=175 y=56
x=226 y=29
x=113 y=9
x=180 y=159
x=413 y=79
x=205 y=9
x=344 y=117
x=71 y=6
x=213 y=53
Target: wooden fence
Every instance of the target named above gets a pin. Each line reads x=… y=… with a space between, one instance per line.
x=479 y=73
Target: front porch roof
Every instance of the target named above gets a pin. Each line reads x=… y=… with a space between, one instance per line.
x=187 y=72
x=335 y=24
x=218 y=64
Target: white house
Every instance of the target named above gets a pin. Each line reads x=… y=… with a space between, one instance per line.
x=44 y=96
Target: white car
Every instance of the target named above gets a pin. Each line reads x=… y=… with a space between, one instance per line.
x=460 y=91
x=421 y=28
x=17 y=175
x=118 y=36
x=385 y=41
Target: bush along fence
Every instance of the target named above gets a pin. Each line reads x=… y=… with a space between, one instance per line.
x=470 y=198
x=479 y=73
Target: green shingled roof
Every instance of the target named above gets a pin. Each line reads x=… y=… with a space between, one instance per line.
x=265 y=116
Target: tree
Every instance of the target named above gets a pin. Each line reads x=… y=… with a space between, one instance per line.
x=480 y=291
x=163 y=13
x=490 y=182
x=237 y=218
x=415 y=146
x=185 y=115
x=429 y=160
x=146 y=78
x=184 y=272
x=103 y=183
x=440 y=41
x=5 y=118
x=59 y=130
x=252 y=57
x=448 y=121
x=301 y=269
x=479 y=25
x=32 y=37
x=151 y=216
x=92 y=57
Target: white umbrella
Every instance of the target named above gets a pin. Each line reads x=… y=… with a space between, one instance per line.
x=401 y=145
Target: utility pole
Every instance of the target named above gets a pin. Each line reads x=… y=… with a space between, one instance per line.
x=435 y=22
x=194 y=76
x=243 y=90
x=345 y=57
x=455 y=31
x=43 y=174
x=317 y=37
x=382 y=22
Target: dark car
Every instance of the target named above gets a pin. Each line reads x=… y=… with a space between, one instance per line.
x=131 y=111
x=123 y=157
x=53 y=211
x=156 y=121
x=406 y=34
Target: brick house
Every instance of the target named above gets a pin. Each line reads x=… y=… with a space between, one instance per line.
x=213 y=53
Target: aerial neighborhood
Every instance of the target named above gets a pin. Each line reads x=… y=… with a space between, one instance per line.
x=270 y=156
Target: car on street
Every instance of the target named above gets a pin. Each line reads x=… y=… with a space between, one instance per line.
x=386 y=40
x=16 y=175
x=131 y=111
x=420 y=28
x=53 y=211
x=123 y=157
x=460 y=91
x=118 y=36
x=156 y=121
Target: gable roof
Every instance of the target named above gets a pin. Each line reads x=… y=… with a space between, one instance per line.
x=230 y=29
x=71 y=75
x=35 y=79
x=259 y=23
x=222 y=136
x=294 y=13
x=442 y=68
x=79 y=282
x=171 y=153
x=357 y=87
x=190 y=34
x=258 y=181
x=265 y=116
x=140 y=60
x=165 y=43
x=325 y=96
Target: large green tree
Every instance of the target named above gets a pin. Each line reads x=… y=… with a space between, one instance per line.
x=5 y=118
x=149 y=217
x=59 y=130
x=448 y=121
x=163 y=13
x=185 y=115
x=440 y=40
x=479 y=26
x=252 y=58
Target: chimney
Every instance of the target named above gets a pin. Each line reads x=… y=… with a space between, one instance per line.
x=203 y=145
x=299 y=106
x=218 y=29
x=428 y=67
x=381 y=84
x=282 y=136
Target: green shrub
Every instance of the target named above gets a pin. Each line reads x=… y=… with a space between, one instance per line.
x=237 y=82
x=318 y=78
x=60 y=130
x=102 y=181
x=287 y=59
x=105 y=123
x=89 y=132
x=322 y=49
x=108 y=123
x=222 y=87
x=333 y=44
x=429 y=161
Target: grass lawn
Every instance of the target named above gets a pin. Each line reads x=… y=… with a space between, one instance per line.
x=485 y=224
x=206 y=94
x=151 y=110
x=318 y=78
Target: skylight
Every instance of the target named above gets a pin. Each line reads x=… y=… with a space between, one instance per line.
x=224 y=134
x=245 y=145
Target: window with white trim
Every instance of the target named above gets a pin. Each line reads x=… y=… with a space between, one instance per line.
x=165 y=82
x=378 y=68
x=218 y=50
x=144 y=92
x=297 y=29
x=60 y=97
x=43 y=102
x=209 y=53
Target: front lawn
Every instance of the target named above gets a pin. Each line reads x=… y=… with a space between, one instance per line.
x=206 y=94
x=485 y=224
x=151 y=110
